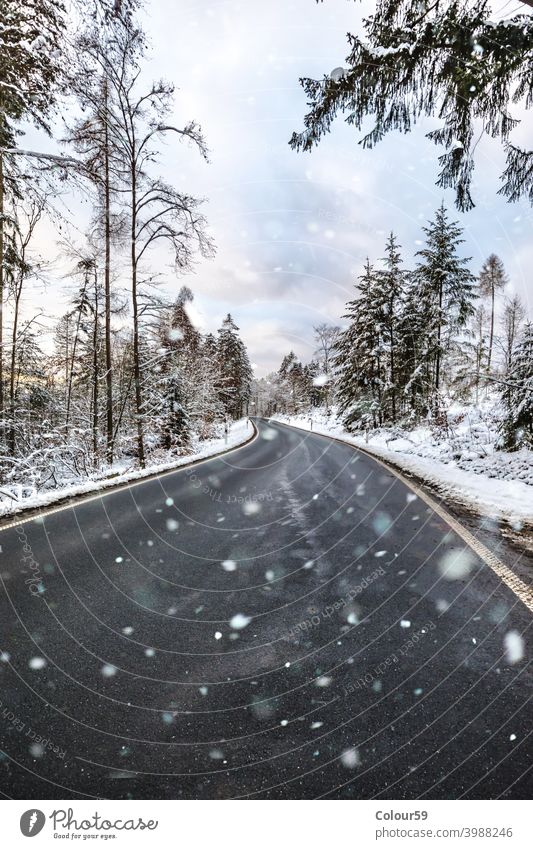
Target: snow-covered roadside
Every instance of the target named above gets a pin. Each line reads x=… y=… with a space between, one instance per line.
x=483 y=490
x=240 y=432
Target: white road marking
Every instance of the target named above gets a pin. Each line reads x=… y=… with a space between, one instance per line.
x=518 y=587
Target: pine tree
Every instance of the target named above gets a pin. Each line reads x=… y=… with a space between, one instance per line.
x=447 y=60
x=414 y=369
x=234 y=369
x=390 y=285
x=32 y=51
x=176 y=427
x=517 y=395
x=181 y=337
x=186 y=379
x=293 y=383
x=445 y=289
x=207 y=407
x=358 y=359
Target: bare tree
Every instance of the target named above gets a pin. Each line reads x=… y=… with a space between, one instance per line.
x=158 y=213
x=513 y=316
x=19 y=268
x=97 y=139
x=29 y=79
x=492 y=279
x=325 y=337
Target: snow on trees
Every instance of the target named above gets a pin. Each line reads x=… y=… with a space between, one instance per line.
x=31 y=40
x=129 y=376
x=234 y=372
x=445 y=287
x=492 y=279
x=517 y=426
x=450 y=61
x=405 y=330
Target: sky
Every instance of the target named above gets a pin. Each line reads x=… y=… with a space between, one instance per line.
x=292 y=230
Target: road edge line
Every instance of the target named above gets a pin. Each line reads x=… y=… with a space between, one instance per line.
x=506 y=575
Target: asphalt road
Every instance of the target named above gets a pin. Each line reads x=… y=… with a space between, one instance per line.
x=286 y=621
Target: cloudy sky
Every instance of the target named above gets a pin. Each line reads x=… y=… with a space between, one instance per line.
x=292 y=230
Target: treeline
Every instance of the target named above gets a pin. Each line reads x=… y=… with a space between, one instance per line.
x=416 y=339
x=296 y=387
x=128 y=372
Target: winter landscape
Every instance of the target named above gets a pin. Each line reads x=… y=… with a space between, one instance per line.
x=266 y=399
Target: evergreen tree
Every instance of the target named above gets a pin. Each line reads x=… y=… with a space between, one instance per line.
x=234 y=369
x=358 y=359
x=207 y=407
x=388 y=291
x=517 y=395
x=32 y=52
x=445 y=289
x=293 y=383
x=447 y=60
x=188 y=371
x=314 y=387
x=414 y=367
x=181 y=337
x=176 y=423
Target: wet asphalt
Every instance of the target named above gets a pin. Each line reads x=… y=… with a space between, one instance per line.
x=287 y=621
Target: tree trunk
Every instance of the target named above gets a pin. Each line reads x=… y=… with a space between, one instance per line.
x=439 y=334
x=71 y=369
x=95 y=373
x=1 y=287
x=107 y=287
x=491 y=338
x=11 y=438
x=136 y=363
x=392 y=366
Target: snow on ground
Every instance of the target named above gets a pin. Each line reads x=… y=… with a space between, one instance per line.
x=14 y=499
x=461 y=464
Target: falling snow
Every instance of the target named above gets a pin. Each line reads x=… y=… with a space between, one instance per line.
x=239 y=621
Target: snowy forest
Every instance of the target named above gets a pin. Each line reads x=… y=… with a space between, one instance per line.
x=122 y=378
x=266 y=413
x=416 y=340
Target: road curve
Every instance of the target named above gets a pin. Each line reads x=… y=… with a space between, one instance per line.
x=285 y=621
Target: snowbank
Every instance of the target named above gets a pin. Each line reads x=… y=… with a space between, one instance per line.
x=464 y=469
x=239 y=433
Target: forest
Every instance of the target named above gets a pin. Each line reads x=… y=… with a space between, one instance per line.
x=122 y=378
x=415 y=340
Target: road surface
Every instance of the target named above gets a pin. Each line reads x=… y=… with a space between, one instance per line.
x=285 y=621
